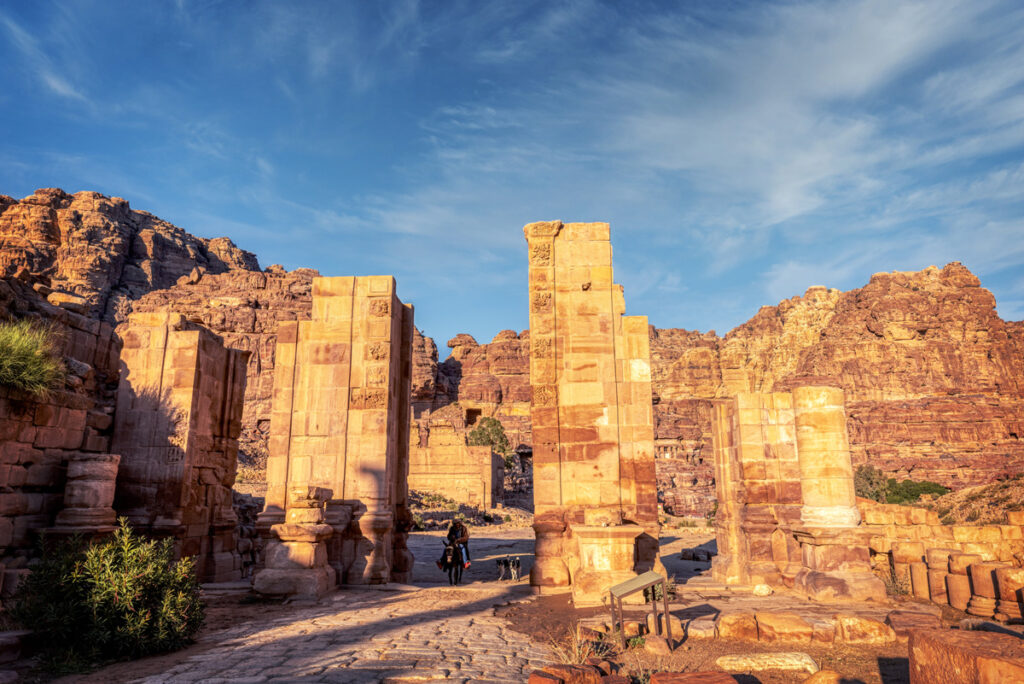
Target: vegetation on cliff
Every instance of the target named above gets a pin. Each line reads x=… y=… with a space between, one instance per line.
x=871 y=483
x=29 y=360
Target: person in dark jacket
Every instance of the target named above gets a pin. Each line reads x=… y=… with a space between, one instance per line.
x=458 y=533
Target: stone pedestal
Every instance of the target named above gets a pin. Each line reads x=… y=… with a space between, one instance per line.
x=837 y=566
x=296 y=565
x=89 y=495
x=958 y=584
x=983 y=588
x=606 y=557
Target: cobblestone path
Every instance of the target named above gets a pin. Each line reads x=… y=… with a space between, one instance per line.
x=363 y=636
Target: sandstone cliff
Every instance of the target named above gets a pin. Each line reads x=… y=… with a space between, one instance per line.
x=99 y=254
x=934 y=378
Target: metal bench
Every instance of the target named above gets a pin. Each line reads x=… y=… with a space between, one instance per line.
x=632 y=586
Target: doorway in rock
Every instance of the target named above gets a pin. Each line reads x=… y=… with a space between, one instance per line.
x=472 y=416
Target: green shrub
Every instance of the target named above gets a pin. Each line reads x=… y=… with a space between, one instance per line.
x=870 y=483
x=490 y=432
x=123 y=598
x=910 y=491
x=29 y=360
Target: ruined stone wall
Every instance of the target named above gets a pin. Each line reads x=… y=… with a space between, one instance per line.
x=179 y=408
x=464 y=474
x=340 y=422
x=39 y=437
x=244 y=308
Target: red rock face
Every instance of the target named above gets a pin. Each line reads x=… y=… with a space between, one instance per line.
x=933 y=376
x=493 y=379
x=101 y=250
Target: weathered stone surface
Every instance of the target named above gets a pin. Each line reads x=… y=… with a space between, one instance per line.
x=692 y=678
x=902 y=622
x=96 y=250
x=737 y=626
x=441 y=462
x=940 y=656
x=854 y=629
x=179 y=408
x=244 y=308
x=783 y=627
x=569 y=674
x=756 y=662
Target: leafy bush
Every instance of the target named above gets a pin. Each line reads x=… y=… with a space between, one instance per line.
x=870 y=483
x=490 y=432
x=29 y=360
x=122 y=598
x=910 y=491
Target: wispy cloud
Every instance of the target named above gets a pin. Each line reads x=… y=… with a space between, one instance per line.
x=38 y=63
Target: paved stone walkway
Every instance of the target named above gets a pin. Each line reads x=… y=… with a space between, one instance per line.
x=361 y=636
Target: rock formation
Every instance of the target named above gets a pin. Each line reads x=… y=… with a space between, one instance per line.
x=934 y=378
x=100 y=254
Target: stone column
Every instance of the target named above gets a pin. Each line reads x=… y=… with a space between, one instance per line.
x=836 y=555
x=826 y=470
x=340 y=421
x=592 y=417
x=89 y=494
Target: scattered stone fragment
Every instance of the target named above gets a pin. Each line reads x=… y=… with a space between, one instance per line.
x=942 y=656
x=755 y=662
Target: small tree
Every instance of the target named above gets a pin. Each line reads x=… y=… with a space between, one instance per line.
x=870 y=483
x=490 y=432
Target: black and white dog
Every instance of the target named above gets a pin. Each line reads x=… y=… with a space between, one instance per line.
x=509 y=565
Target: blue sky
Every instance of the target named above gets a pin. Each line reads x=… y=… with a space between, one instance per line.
x=742 y=152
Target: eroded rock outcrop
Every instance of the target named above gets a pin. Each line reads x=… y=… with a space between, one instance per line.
x=99 y=254
x=932 y=374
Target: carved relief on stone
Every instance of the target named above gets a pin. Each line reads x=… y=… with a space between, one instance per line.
x=378 y=351
x=545 y=395
x=364 y=398
x=380 y=307
x=540 y=253
x=541 y=302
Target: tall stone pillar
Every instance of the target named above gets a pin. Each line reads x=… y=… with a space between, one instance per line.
x=826 y=469
x=592 y=419
x=340 y=421
x=179 y=411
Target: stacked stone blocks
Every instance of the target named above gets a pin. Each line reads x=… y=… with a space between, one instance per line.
x=179 y=408
x=340 y=421
x=784 y=480
x=592 y=417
